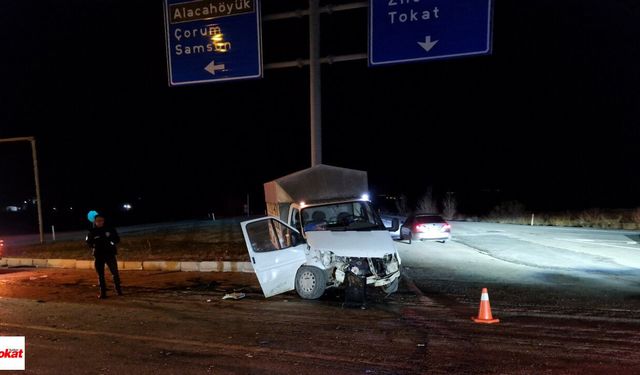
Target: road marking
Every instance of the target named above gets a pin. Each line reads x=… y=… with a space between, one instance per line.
x=272 y=353
x=603 y=241
x=592 y=242
x=458 y=234
x=570 y=317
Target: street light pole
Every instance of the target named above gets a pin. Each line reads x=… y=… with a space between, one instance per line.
x=36 y=174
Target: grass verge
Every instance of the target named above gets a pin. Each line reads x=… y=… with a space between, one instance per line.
x=198 y=241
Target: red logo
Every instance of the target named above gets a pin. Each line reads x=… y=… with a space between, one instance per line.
x=11 y=353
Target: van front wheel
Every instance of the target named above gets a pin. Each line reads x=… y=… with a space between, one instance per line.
x=310 y=282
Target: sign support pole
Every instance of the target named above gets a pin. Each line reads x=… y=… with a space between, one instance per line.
x=315 y=94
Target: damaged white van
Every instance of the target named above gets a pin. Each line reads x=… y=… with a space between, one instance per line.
x=329 y=243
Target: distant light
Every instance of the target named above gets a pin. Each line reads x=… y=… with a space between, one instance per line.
x=365 y=197
x=126 y=206
x=302 y=204
x=70 y=208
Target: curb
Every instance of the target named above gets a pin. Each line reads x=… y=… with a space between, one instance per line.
x=160 y=265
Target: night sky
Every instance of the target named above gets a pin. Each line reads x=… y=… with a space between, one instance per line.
x=551 y=118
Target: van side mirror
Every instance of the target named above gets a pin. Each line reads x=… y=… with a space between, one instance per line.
x=395 y=225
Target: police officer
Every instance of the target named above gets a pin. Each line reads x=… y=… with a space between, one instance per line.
x=103 y=240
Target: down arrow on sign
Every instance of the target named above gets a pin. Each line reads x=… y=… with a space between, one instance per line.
x=427 y=44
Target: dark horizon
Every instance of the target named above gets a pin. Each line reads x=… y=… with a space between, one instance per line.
x=551 y=118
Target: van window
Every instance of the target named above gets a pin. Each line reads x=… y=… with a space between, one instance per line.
x=271 y=235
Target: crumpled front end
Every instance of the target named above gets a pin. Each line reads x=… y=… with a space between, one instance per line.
x=378 y=271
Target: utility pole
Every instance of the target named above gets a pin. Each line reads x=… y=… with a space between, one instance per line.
x=315 y=94
x=36 y=175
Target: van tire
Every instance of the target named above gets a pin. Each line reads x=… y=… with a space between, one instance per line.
x=310 y=282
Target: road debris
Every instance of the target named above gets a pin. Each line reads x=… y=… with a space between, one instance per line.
x=234 y=295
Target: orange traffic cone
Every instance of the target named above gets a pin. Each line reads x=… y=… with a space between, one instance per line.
x=484 y=315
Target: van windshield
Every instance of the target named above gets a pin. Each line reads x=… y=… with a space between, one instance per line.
x=340 y=217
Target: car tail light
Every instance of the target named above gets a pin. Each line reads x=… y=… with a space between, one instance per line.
x=446 y=227
x=420 y=228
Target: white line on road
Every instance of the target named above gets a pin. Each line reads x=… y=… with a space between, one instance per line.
x=458 y=234
x=570 y=316
x=593 y=242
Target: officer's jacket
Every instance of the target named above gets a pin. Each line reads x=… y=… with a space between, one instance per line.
x=103 y=241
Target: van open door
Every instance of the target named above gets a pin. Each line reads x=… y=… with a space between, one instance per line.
x=276 y=252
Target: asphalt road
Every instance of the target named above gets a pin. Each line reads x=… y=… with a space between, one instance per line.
x=531 y=255
x=177 y=323
x=575 y=273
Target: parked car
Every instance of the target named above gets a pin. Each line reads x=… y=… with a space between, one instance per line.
x=425 y=227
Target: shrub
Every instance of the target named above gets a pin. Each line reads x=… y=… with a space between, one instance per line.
x=559 y=220
x=508 y=210
x=401 y=205
x=589 y=218
x=427 y=204
x=449 y=206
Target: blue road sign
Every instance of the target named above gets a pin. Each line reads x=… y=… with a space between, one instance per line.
x=212 y=40
x=415 y=30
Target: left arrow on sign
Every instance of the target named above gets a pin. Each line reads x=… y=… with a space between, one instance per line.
x=427 y=44
x=213 y=68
